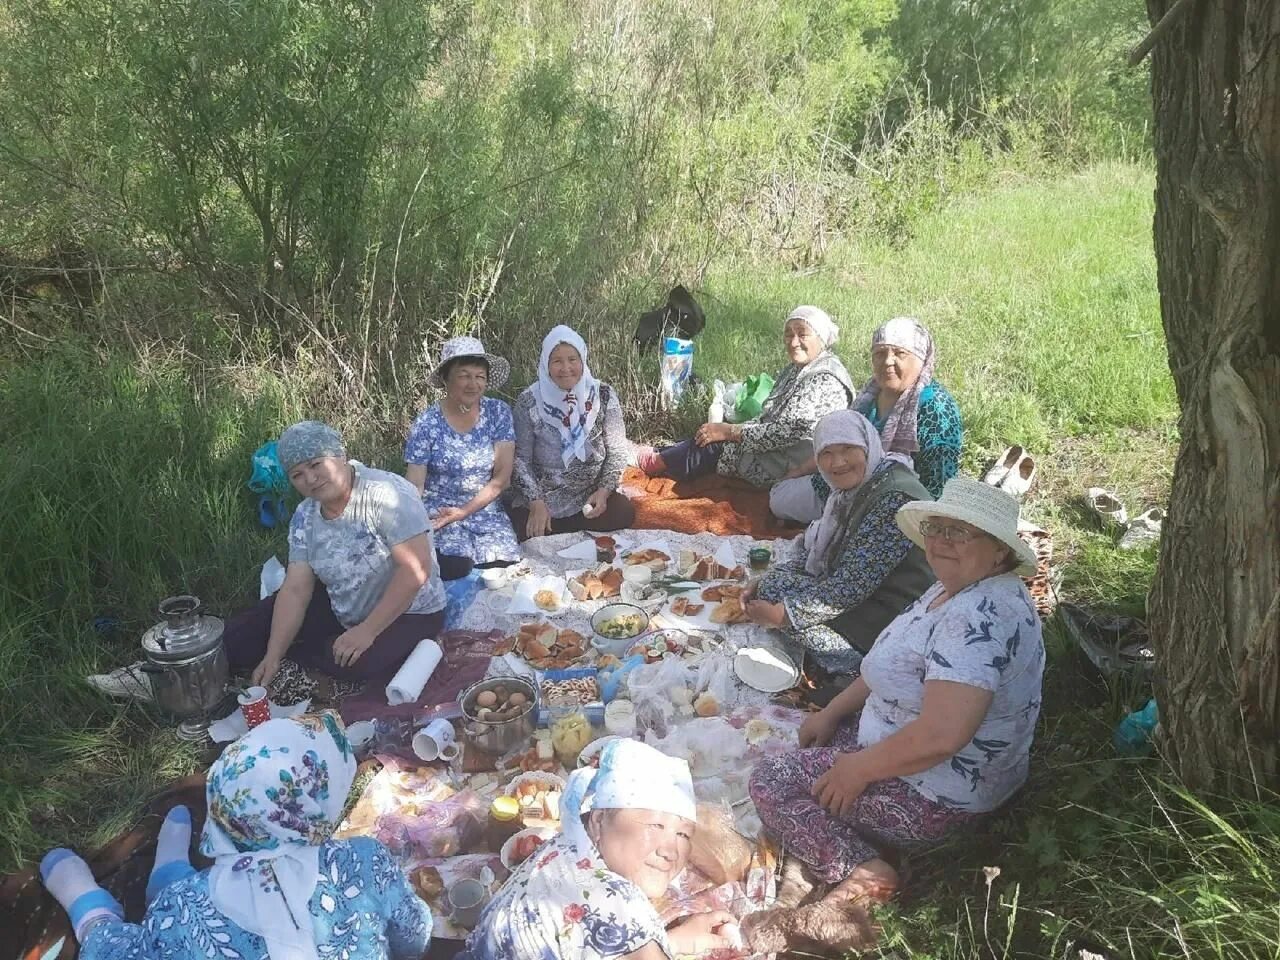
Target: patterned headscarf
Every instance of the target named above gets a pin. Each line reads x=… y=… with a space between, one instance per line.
x=274 y=796
x=899 y=428
x=818 y=321
x=632 y=775
x=571 y=414
x=824 y=538
x=308 y=440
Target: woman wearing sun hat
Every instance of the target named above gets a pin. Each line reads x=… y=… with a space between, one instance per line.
x=937 y=730
x=459 y=455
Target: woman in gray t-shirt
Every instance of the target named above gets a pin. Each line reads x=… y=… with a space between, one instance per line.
x=361 y=588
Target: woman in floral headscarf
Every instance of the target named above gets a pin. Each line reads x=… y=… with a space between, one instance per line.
x=913 y=412
x=588 y=894
x=279 y=888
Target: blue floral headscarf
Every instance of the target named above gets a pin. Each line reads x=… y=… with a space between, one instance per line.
x=274 y=796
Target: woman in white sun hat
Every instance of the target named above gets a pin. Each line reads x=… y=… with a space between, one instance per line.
x=459 y=455
x=937 y=730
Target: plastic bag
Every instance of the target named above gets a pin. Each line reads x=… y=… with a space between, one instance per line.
x=612 y=680
x=441 y=829
x=709 y=744
x=751 y=400
x=716 y=409
x=731 y=393
x=271 y=579
x=715 y=677
x=677 y=367
x=267 y=475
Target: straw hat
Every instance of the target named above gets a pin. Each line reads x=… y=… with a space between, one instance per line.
x=991 y=510
x=499 y=369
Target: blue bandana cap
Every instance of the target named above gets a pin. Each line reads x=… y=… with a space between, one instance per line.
x=308 y=440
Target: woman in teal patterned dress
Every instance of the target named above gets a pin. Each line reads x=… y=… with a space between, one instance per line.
x=279 y=887
x=915 y=414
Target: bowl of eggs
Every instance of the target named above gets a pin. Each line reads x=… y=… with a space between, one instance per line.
x=499 y=713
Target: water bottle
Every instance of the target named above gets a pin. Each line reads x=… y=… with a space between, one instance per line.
x=715 y=412
x=1133 y=734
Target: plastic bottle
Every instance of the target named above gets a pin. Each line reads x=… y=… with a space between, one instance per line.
x=1133 y=734
x=715 y=412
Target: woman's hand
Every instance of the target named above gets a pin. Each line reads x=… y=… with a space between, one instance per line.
x=839 y=787
x=539 y=524
x=265 y=671
x=597 y=503
x=349 y=647
x=446 y=516
x=819 y=728
x=766 y=614
x=714 y=433
x=700 y=933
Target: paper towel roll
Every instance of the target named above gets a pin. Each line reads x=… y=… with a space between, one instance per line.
x=406 y=686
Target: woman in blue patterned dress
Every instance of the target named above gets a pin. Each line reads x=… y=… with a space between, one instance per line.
x=855 y=570
x=915 y=414
x=459 y=455
x=279 y=887
x=589 y=893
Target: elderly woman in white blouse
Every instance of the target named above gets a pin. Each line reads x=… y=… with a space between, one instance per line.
x=571 y=447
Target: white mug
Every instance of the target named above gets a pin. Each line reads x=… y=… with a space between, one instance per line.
x=467 y=898
x=436 y=741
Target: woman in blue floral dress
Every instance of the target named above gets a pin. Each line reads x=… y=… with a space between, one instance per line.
x=279 y=887
x=589 y=893
x=855 y=570
x=459 y=454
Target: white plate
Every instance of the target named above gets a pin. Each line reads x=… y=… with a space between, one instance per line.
x=757 y=662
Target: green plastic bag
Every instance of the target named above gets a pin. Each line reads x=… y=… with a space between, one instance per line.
x=752 y=397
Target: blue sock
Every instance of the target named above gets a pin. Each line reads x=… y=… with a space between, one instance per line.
x=172 y=857
x=71 y=882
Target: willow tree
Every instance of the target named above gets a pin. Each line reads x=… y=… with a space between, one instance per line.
x=1215 y=607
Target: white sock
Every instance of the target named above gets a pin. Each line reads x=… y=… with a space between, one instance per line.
x=71 y=882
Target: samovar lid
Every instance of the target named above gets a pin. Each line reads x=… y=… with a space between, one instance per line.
x=183 y=633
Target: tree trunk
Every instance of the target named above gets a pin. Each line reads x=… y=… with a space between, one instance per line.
x=1215 y=606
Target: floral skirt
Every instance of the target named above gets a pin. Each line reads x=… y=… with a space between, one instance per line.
x=889 y=814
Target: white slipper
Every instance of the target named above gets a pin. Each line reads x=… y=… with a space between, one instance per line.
x=1000 y=469
x=1107 y=506
x=1018 y=480
x=1143 y=529
x=123 y=682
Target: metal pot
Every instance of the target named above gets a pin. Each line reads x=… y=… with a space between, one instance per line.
x=500 y=736
x=185 y=659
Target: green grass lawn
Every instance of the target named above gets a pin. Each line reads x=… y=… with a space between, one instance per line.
x=124 y=483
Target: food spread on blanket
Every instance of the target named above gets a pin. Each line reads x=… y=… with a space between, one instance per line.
x=691 y=703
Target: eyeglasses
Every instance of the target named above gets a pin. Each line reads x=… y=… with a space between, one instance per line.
x=948 y=532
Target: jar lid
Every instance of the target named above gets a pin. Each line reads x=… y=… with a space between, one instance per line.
x=504 y=808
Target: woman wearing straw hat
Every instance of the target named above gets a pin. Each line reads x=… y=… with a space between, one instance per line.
x=937 y=730
x=459 y=456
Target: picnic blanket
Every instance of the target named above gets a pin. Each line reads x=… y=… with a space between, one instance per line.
x=723 y=506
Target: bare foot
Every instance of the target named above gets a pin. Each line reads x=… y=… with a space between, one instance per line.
x=874 y=881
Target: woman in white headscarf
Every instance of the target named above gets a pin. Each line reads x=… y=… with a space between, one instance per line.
x=589 y=893
x=764 y=450
x=279 y=887
x=855 y=570
x=571 y=447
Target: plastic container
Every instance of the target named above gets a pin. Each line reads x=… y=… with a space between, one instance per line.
x=620 y=718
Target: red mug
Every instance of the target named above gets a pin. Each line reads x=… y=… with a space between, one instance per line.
x=254 y=706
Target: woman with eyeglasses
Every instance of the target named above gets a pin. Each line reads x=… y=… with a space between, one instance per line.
x=855 y=570
x=937 y=730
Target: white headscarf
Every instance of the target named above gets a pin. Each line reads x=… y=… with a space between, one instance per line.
x=574 y=413
x=824 y=538
x=274 y=796
x=818 y=321
x=632 y=776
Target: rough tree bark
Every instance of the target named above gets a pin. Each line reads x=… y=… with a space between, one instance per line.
x=1215 y=606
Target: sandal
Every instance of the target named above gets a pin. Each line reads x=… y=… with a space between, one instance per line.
x=1144 y=529
x=1106 y=506
x=1000 y=469
x=1018 y=480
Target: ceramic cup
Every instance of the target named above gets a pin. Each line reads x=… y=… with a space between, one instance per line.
x=466 y=898
x=254 y=706
x=436 y=741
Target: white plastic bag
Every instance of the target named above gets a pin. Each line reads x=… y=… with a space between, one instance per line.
x=715 y=676
x=730 y=400
x=716 y=410
x=271 y=578
x=711 y=745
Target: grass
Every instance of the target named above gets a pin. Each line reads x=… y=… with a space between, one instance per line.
x=124 y=483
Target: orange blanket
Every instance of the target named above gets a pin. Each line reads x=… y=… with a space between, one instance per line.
x=721 y=505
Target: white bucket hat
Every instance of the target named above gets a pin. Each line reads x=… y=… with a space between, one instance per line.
x=992 y=511
x=499 y=369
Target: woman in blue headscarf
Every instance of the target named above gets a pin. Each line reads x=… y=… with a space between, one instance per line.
x=279 y=888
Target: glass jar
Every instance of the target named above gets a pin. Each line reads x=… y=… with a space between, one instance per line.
x=620 y=718
x=570 y=732
x=504 y=822
x=759 y=557
x=606 y=549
